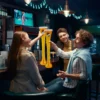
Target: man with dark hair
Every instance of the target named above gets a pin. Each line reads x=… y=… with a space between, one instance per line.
x=66 y=45
x=79 y=66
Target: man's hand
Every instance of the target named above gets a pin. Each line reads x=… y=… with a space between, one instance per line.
x=53 y=45
x=62 y=74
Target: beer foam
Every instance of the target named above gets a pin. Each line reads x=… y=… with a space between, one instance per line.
x=43 y=27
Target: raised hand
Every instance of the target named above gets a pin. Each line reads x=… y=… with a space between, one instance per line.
x=40 y=34
x=53 y=45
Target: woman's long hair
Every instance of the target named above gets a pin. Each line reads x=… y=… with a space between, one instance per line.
x=14 y=54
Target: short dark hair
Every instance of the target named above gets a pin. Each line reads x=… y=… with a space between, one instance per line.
x=86 y=37
x=61 y=30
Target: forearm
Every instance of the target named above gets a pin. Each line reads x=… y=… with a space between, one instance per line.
x=34 y=41
x=73 y=76
x=63 y=54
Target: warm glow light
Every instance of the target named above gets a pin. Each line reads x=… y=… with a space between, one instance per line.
x=86 y=20
x=66 y=13
x=27 y=1
x=66 y=10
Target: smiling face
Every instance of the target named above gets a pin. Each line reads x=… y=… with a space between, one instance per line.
x=83 y=39
x=63 y=37
x=78 y=41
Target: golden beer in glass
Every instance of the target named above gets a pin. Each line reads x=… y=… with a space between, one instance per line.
x=43 y=60
x=48 y=38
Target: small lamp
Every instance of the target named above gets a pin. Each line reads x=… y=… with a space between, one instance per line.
x=86 y=19
x=66 y=10
x=27 y=1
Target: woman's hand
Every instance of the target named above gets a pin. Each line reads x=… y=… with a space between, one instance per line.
x=43 y=89
x=40 y=34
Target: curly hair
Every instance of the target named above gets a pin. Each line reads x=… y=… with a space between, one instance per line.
x=86 y=37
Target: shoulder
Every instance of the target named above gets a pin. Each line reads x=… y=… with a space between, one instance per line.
x=85 y=54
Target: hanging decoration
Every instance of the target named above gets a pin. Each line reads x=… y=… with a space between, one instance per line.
x=86 y=19
x=66 y=10
x=55 y=11
x=27 y=1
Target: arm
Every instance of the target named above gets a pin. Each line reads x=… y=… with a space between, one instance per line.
x=79 y=70
x=63 y=74
x=60 y=52
x=35 y=39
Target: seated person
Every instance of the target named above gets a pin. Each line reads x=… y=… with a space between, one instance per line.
x=79 y=66
x=22 y=66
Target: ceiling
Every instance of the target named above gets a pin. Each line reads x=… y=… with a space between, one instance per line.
x=80 y=7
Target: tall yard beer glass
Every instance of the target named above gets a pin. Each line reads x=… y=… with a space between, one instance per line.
x=43 y=60
x=48 y=38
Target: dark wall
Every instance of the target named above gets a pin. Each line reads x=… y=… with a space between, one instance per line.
x=60 y=21
x=56 y=21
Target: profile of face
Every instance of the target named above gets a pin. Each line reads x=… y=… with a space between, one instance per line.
x=78 y=41
x=25 y=39
x=63 y=37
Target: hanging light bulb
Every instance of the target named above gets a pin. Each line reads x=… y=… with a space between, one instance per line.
x=27 y=1
x=86 y=20
x=66 y=10
x=66 y=13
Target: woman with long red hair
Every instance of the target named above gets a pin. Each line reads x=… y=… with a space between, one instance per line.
x=22 y=66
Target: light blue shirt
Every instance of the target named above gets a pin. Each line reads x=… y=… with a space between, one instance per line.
x=83 y=54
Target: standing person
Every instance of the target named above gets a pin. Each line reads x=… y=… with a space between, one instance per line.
x=22 y=65
x=79 y=66
x=65 y=44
